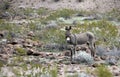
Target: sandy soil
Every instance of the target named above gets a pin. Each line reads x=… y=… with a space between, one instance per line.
x=87 y=5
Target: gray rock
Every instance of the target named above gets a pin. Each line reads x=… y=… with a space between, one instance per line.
x=55 y=46
x=88 y=18
x=82 y=74
x=3 y=41
x=111 y=60
x=52 y=24
x=61 y=19
x=100 y=51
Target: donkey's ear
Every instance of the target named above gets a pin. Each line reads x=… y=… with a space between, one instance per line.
x=66 y=28
x=70 y=27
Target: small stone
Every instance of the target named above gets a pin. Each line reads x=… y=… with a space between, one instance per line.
x=114 y=67
x=116 y=73
x=97 y=58
x=103 y=57
x=3 y=56
x=95 y=65
x=31 y=33
x=111 y=60
x=1 y=34
x=14 y=41
x=27 y=45
x=66 y=53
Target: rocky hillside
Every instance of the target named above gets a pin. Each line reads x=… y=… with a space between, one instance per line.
x=87 y=5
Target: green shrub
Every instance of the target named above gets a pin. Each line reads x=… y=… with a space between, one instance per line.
x=21 y=51
x=4 y=5
x=42 y=11
x=113 y=14
x=52 y=36
x=28 y=11
x=54 y=72
x=61 y=13
x=103 y=71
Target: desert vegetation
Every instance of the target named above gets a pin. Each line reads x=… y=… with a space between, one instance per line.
x=33 y=44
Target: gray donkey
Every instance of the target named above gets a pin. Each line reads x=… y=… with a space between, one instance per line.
x=79 y=39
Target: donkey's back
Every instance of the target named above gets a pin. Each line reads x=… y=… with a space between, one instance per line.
x=83 y=38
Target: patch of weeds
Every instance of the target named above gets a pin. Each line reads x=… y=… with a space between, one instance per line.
x=113 y=14
x=28 y=11
x=6 y=26
x=42 y=11
x=10 y=28
x=54 y=72
x=103 y=71
x=85 y=13
x=66 y=13
x=21 y=51
x=35 y=26
x=34 y=69
x=4 y=5
x=32 y=26
x=52 y=36
x=1 y=64
x=16 y=61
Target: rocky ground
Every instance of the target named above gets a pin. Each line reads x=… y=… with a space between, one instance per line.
x=88 y=5
x=22 y=50
x=32 y=44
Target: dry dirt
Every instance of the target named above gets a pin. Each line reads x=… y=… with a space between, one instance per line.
x=87 y=5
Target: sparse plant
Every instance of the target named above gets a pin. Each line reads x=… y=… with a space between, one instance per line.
x=66 y=13
x=21 y=51
x=52 y=36
x=113 y=14
x=42 y=11
x=54 y=72
x=103 y=71
x=28 y=11
x=4 y=5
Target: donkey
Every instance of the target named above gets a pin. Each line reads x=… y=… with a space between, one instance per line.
x=79 y=39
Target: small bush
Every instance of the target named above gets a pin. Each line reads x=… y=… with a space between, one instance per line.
x=21 y=51
x=103 y=71
x=54 y=72
x=53 y=36
x=42 y=11
x=4 y=5
x=28 y=11
x=113 y=14
x=66 y=13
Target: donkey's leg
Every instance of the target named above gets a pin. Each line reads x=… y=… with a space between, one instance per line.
x=74 y=49
x=71 y=54
x=92 y=47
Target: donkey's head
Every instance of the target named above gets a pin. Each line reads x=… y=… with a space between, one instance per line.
x=67 y=33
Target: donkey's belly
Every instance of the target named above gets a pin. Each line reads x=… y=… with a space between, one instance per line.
x=81 y=42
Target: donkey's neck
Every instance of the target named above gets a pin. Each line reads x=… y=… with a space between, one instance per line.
x=75 y=39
